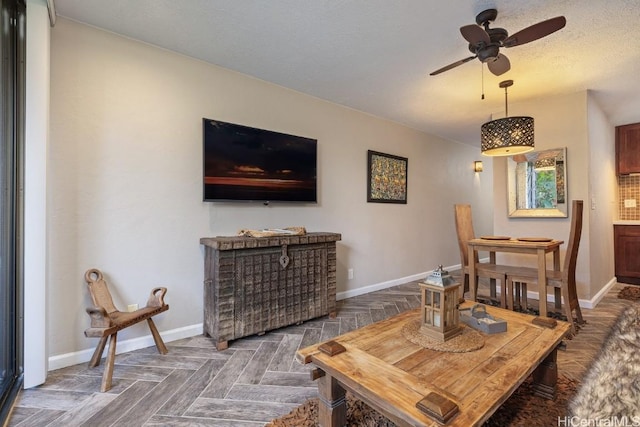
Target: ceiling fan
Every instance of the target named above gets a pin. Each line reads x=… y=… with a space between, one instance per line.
x=485 y=43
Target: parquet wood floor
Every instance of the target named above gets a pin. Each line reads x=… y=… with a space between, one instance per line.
x=255 y=380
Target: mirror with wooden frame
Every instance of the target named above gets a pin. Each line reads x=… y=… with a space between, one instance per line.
x=538 y=184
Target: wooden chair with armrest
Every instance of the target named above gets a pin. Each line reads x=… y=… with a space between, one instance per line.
x=107 y=320
x=565 y=280
x=464 y=230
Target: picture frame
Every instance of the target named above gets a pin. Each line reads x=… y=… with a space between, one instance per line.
x=387 y=177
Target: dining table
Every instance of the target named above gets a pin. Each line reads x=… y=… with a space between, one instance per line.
x=539 y=246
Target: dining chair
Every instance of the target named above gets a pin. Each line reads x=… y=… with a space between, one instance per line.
x=565 y=279
x=464 y=230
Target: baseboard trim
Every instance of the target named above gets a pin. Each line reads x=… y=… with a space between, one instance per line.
x=388 y=284
x=82 y=356
x=598 y=297
x=584 y=303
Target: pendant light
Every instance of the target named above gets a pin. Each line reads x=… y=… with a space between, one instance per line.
x=546 y=164
x=508 y=136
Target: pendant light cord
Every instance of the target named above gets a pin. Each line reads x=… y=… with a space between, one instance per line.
x=506 y=105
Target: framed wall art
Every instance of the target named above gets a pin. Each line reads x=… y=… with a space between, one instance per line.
x=386 y=178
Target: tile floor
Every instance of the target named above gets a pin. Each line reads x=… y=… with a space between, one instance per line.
x=255 y=380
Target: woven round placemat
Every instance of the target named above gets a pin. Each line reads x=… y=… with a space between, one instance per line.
x=468 y=340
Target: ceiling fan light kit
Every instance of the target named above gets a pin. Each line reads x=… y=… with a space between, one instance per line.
x=485 y=42
x=507 y=136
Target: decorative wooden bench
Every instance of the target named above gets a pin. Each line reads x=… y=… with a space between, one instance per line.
x=107 y=320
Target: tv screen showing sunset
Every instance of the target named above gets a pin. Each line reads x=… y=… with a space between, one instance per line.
x=245 y=163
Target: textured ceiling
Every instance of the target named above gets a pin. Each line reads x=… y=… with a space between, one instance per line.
x=376 y=55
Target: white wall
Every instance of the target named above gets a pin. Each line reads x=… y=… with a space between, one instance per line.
x=36 y=145
x=565 y=121
x=603 y=197
x=125 y=177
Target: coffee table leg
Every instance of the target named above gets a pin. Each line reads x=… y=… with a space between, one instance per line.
x=332 y=410
x=545 y=377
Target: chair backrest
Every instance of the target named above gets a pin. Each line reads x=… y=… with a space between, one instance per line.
x=99 y=291
x=464 y=229
x=571 y=256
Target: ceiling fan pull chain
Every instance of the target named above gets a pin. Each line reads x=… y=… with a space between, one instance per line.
x=482 y=68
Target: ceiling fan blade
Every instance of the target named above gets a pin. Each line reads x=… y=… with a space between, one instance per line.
x=474 y=34
x=450 y=66
x=536 y=31
x=500 y=65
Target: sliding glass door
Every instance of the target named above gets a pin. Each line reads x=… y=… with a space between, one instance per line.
x=12 y=84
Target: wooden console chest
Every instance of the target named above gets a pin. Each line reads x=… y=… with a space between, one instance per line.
x=256 y=284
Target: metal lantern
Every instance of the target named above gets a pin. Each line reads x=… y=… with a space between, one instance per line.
x=440 y=316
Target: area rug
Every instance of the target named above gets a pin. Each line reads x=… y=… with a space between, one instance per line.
x=521 y=409
x=630 y=292
x=611 y=386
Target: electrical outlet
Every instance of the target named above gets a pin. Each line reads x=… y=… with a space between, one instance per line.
x=132 y=307
x=630 y=203
x=350 y=273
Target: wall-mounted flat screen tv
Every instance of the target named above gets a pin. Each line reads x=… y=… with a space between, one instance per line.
x=248 y=164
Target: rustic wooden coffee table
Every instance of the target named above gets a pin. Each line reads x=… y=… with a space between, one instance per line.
x=392 y=375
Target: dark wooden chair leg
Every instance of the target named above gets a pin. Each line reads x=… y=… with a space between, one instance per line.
x=465 y=288
x=517 y=300
x=579 y=318
x=574 y=304
x=509 y=293
x=557 y=297
x=523 y=295
x=503 y=294
x=568 y=309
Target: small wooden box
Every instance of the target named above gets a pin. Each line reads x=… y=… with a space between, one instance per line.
x=478 y=318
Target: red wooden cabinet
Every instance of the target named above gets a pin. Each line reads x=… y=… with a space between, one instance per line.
x=627 y=253
x=628 y=149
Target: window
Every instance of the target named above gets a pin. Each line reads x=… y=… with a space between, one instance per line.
x=12 y=90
